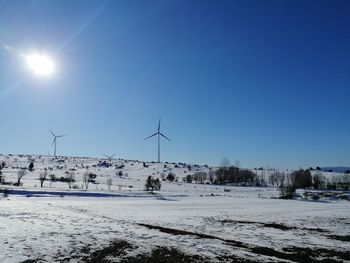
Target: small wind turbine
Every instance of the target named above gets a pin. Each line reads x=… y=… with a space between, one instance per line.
x=54 y=142
x=110 y=157
x=159 y=134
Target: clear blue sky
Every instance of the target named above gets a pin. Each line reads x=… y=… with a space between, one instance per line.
x=262 y=82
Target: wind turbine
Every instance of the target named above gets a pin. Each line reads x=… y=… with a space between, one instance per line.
x=159 y=134
x=109 y=157
x=54 y=142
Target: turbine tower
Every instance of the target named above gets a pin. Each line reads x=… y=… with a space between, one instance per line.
x=159 y=134
x=54 y=142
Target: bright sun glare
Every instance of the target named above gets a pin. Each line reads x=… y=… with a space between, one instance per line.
x=40 y=64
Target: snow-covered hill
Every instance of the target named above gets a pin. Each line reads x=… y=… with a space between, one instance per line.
x=192 y=222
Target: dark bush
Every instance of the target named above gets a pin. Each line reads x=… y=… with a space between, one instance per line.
x=171 y=177
x=188 y=178
x=302 y=178
x=152 y=184
x=31 y=167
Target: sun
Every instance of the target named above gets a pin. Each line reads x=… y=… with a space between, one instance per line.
x=40 y=64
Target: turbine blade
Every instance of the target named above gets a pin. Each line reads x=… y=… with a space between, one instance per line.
x=52 y=133
x=165 y=136
x=151 y=136
x=159 y=125
x=58 y=136
x=53 y=141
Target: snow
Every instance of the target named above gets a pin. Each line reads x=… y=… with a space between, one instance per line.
x=62 y=222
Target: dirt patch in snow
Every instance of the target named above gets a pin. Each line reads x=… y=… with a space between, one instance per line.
x=273 y=225
x=117 y=248
x=183 y=232
x=340 y=238
x=295 y=254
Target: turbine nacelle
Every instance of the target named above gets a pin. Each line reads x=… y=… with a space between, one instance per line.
x=109 y=157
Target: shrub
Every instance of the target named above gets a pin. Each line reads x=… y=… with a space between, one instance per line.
x=92 y=177
x=31 y=167
x=171 y=177
x=287 y=191
x=288 y=187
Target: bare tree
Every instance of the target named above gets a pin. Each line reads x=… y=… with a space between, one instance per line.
x=276 y=178
x=344 y=182
x=21 y=172
x=318 y=180
x=52 y=179
x=200 y=177
x=280 y=178
x=109 y=183
x=86 y=180
x=152 y=184
x=70 y=178
x=225 y=163
x=211 y=176
x=42 y=178
x=238 y=164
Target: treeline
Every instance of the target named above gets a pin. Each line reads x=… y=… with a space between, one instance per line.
x=302 y=179
x=227 y=175
x=235 y=176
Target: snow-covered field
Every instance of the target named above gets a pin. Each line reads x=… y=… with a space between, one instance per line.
x=206 y=223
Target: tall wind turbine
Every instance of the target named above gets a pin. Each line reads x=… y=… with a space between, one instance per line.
x=159 y=134
x=54 y=142
x=109 y=157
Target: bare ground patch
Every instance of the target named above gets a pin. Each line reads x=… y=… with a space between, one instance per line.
x=295 y=254
x=117 y=248
x=273 y=225
x=345 y=238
